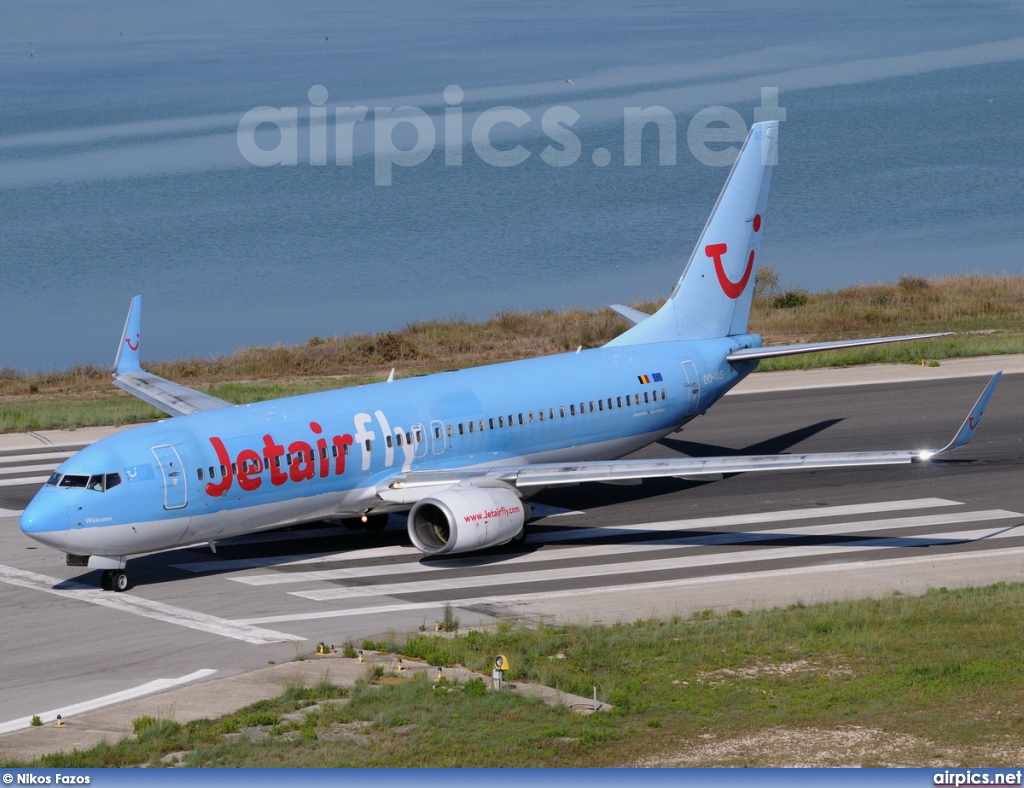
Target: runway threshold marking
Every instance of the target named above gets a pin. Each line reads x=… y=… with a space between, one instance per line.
x=23 y=482
x=157 y=685
x=147 y=608
x=700 y=560
x=278 y=578
x=528 y=597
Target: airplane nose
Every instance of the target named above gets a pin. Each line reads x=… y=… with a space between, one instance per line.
x=46 y=518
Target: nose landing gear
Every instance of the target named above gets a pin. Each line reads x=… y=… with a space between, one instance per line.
x=114 y=580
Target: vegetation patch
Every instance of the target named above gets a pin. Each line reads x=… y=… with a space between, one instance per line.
x=986 y=312
x=921 y=681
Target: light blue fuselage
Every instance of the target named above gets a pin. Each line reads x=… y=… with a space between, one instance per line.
x=206 y=477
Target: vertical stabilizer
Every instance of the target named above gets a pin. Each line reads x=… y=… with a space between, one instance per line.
x=712 y=297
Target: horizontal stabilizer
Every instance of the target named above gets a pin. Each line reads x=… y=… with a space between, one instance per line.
x=749 y=354
x=634 y=316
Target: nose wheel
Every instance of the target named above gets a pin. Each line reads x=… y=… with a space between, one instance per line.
x=114 y=580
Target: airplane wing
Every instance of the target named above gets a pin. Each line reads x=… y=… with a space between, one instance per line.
x=411 y=486
x=751 y=353
x=171 y=398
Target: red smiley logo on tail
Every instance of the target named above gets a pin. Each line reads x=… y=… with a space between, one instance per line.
x=730 y=288
x=132 y=347
x=974 y=422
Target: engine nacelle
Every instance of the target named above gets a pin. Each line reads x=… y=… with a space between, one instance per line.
x=465 y=518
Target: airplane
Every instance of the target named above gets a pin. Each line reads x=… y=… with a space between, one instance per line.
x=461 y=452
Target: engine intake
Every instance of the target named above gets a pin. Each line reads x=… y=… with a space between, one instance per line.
x=465 y=518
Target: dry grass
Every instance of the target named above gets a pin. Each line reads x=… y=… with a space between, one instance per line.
x=986 y=311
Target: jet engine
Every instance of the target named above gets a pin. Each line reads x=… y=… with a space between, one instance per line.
x=465 y=518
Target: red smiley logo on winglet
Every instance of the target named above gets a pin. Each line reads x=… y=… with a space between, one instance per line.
x=730 y=288
x=974 y=422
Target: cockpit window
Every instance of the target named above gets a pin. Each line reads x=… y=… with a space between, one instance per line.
x=99 y=482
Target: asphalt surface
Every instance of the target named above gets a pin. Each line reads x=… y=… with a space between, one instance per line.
x=599 y=552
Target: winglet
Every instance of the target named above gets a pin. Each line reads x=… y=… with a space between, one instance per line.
x=967 y=429
x=127 y=359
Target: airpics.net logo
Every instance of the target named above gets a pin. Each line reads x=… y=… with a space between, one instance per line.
x=407 y=136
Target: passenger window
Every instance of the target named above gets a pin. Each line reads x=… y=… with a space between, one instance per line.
x=199 y=471
x=323 y=453
x=344 y=450
x=223 y=470
x=398 y=437
x=572 y=410
x=491 y=422
x=511 y=421
x=419 y=436
x=213 y=472
x=520 y=418
x=472 y=428
x=600 y=405
x=619 y=401
x=234 y=468
x=462 y=428
x=663 y=394
x=561 y=411
x=368 y=444
x=551 y=413
x=437 y=432
x=408 y=438
x=451 y=431
x=481 y=425
x=628 y=403
x=312 y=455
x=387 y=441
x=646 y=398
x=591 y=406
x=529 y=417
x=501 y=421
x=583 y=408
x=654 y=395
x=540 y=414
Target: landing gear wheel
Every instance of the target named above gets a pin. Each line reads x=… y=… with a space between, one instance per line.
x=107 y=580
x=120 y=581
x=519 y=539
x=376 y=522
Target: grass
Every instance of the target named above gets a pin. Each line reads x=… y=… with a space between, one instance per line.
x=987 y=312
x=942 y=668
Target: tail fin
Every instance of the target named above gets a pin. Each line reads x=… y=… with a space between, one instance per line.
x=712 y=297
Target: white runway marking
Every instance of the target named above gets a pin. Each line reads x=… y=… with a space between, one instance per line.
x=26 y=469
x=756 y=518
x=44 y=455
x=65 y=712
x=143 y=607
x=19 y=482
x=654 y=585
x=701 y=561
x=594 y=551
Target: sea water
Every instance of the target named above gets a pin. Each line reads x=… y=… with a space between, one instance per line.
x=120 y=170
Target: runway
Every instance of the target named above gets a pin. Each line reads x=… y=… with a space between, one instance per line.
x=596 y=552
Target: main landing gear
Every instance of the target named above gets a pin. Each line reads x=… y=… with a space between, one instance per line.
x=114 y=580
